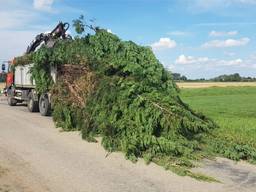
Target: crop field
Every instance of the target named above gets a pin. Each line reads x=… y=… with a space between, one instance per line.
x=232 y=108
x=215 y=84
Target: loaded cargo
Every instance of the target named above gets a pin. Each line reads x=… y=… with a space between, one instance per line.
x=118 y=90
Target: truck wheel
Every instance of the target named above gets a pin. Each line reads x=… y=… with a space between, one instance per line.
x=32 y=104
x=44 y=105
x=11 y=101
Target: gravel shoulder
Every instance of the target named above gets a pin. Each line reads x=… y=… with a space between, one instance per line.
x=35 y=156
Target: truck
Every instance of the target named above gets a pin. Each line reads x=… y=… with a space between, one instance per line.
x=20 y=87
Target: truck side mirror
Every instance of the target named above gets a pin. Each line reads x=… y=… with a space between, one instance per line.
x=3 y=67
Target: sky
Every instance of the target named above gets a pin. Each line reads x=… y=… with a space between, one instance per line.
x=197 y=38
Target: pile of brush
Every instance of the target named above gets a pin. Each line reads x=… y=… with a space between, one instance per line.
x=119 y=91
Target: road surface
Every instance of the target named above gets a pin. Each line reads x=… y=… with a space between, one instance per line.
x=35 y=156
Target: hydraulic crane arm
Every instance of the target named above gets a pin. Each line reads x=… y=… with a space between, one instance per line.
x=49 y=39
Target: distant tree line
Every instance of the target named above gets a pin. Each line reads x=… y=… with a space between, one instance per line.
x=233 y=78
x=179 y=77
x=222 y=78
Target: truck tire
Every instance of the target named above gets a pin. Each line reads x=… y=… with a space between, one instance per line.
x=32 y=104
x=44 y=105
x=11 y=101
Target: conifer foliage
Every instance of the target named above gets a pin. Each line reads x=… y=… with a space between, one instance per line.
x=122 y=94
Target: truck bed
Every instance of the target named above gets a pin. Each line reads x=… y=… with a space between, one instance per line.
x=23 y=77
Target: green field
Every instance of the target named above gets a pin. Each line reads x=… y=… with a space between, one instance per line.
x=233 y=109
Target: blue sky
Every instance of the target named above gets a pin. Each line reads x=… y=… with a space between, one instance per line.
x=198 y=38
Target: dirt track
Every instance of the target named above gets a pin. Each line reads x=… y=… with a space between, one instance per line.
x=35 y=156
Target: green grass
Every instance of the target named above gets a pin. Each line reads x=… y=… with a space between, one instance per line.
x=234 y=110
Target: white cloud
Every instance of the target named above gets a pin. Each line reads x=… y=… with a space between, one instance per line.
x=20 y=22
x=207 y=4
x=170 y=67
x=164 y=43
x=222 y=33
x=43 y=5
x=253 y=57
x=182 y=59
x=243 y=1
x=16 y=29
x=235 y=62
x=226 y=24
x=14 y=46
x=227 y=43
x=109 y=30
x=205 y=61
x=250 y=62
x=178 y=33
x=230 y=54
x=194 y=67
x=15 y=19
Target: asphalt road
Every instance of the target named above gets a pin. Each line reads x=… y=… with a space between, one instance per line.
x=35 y=156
